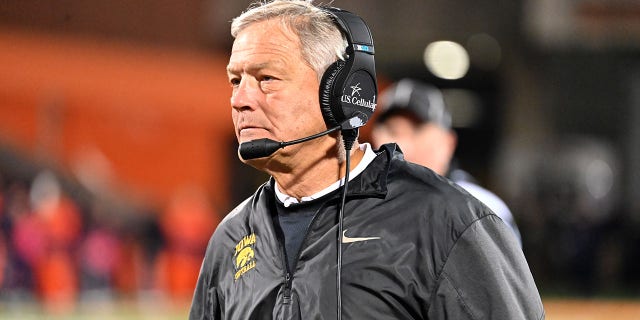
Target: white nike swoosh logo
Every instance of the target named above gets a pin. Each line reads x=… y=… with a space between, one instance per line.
x=346 y=239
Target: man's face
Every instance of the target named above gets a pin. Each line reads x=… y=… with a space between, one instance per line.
x=426 y=144
x=275 y=92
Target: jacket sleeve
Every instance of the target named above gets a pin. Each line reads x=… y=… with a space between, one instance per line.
x=205 y=304
x=486 y=276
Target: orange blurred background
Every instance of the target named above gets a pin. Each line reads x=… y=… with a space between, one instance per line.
x=133 y=111
x=145 y=127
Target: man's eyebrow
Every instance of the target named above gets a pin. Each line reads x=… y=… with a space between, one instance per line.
x=231 y=69
x=259 y=66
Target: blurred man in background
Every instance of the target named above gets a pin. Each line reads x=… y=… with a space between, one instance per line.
x=415 y=116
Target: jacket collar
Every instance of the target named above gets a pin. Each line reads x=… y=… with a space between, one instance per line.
x=372 y=182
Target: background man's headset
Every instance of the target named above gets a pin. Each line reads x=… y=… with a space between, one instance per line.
x=348 y=91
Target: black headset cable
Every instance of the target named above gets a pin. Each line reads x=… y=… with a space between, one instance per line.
x=348 y=136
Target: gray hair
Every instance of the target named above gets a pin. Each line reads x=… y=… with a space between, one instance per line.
x=321 y=41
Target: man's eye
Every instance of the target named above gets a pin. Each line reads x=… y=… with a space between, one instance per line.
x=234 y=82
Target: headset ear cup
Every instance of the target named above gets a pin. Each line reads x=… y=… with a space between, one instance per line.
x=327 y=84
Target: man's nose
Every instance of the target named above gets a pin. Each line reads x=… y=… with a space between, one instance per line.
x=244 y=94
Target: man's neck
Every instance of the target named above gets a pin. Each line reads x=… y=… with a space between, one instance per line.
x=314 y=175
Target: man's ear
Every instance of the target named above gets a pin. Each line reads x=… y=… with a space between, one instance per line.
x=381 y=134
x=451 y=142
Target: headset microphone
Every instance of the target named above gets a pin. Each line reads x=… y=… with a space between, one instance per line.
x=261 y=148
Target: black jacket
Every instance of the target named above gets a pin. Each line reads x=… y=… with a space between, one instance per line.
x=433 y=252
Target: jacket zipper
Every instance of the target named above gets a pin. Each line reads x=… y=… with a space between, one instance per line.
x=288 y=274
x=287 y=288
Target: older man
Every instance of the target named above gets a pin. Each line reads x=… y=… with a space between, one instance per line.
x=341 y=230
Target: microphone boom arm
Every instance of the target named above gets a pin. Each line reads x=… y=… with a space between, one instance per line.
x=317 y=135
x=265 y=147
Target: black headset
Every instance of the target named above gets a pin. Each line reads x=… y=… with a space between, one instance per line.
x=348 y=88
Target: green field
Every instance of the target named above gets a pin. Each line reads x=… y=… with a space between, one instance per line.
x=128 y=310
x=557 y=309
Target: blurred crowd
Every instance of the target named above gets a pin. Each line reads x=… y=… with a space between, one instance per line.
x=59 y=247
x=579 y=235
